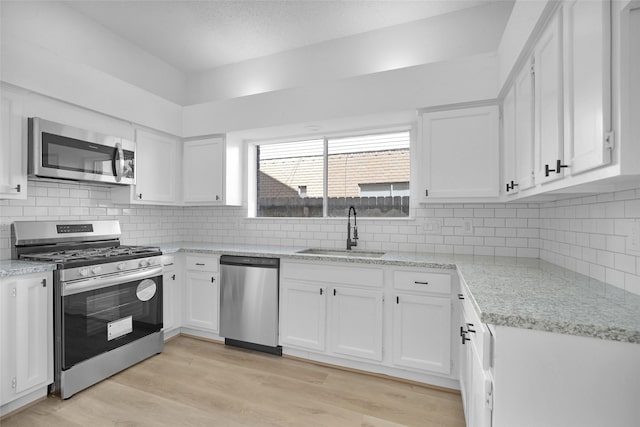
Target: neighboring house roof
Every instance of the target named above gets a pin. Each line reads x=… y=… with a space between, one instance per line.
x=283 y=177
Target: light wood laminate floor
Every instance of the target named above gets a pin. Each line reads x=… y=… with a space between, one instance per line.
x=198 y=383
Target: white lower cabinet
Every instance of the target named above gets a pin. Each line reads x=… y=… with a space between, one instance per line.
x=364 y=316
x=201 y=305
x=26 y=335
x=356 y=322
x=303 y=314
x=421 y=332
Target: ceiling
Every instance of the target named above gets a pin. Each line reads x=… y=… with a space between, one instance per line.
x=194 y=36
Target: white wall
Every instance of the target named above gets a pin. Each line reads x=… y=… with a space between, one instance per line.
x=69 y=74
x=455 y=35
x=462 y=80
x=61 y=30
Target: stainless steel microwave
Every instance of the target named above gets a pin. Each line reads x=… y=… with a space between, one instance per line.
x=60 y=151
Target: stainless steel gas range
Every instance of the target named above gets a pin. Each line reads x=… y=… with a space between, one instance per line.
x=107 y=298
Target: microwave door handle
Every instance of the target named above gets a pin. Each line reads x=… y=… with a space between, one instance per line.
x=118 y=162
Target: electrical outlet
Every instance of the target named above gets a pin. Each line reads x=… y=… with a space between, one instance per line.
x=467 y=226
x=633 y=238
x=433 y=226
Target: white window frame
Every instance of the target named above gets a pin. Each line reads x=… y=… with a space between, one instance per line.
x=252 y=170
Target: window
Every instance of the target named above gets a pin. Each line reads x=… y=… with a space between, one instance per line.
x=323 y=177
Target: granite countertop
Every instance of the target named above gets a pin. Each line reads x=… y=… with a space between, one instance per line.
x=12 y=267
x=506 y=291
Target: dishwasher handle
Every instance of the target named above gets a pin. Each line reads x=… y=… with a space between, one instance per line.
x=247 y=261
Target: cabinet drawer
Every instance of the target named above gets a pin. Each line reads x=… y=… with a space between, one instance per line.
x=420 y=281
x=351 y=274
x=202 y=263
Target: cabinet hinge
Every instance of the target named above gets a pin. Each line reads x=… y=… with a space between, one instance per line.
x=609 y=140
x=14 y=382
x=488 y=395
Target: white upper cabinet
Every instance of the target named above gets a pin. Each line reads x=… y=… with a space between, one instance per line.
x=548 y=102
x=13 y=148
x=157 y=171
x=459 y=154
x=587 y=84
x=204 y=171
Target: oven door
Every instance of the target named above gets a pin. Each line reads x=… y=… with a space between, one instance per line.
x=107 y=312
x=61 y=151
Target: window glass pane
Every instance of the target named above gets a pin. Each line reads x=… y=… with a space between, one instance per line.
x=370 y=173
x=290 y=179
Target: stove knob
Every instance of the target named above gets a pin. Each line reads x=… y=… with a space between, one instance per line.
x=84 y=272
x=143 y=263
x=96 y=270
x=122 y=266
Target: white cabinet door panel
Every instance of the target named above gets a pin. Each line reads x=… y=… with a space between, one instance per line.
x=460 y=153
x=422 y=333
x=203 y=165
x=356 y=323
x=548 y=102
x=303 y=315
x=157 y=167
x=201 y=305
x=587 y=83
x=13 y=148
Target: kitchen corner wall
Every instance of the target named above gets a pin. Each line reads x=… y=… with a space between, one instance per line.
x=589 y=235
x=585 y=234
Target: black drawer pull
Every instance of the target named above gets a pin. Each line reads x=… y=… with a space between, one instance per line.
x=421 y=283
x=460 y=296
x=200 y=263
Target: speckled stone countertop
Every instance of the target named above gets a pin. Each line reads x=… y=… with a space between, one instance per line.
x=12 y=267
x=516 y=292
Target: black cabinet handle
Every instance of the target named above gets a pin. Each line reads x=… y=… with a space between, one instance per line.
x=420 y=283
x=511 y=186
x=469 y=326
x=559 y=167
x=465 y=339
x=140 y=196
x=334 y=292
x=320 y=291
x=213 y=279
x=462 y=331
x=460 y=296
x=397 y=300
x=199 y=263
x=44 y=283
x=173 y=277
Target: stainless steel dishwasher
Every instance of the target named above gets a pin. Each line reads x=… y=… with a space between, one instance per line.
x=249 y=288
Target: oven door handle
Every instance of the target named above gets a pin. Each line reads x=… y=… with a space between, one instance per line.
x=84 y=285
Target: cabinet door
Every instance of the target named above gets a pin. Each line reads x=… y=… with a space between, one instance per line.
x=157 y=163
x=26 y=334
x=587 y=84
x=524 y=118
x=356 y=323
x=201 y=302
x=460 y=153
x=203 y=167
x=422 y=333
x=171 y=303
x=509 y=159
x=548 y=102
x=303 y=314
x=13 y=148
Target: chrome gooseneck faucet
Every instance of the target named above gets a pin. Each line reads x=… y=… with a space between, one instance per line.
x=354 y=242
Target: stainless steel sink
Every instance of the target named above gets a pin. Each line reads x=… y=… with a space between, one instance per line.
x=341 y=252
